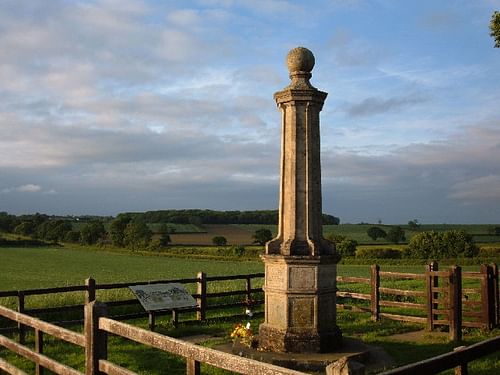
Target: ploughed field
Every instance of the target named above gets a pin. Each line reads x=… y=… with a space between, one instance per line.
x=241 y=234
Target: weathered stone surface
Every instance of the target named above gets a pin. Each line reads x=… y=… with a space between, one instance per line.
x=345 y=366
x=300 y=282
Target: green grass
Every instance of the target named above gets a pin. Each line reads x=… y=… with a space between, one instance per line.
x=23 y=268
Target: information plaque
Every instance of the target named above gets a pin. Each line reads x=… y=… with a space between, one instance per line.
x=156 y=297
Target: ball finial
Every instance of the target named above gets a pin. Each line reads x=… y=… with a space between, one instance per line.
x=300 y=59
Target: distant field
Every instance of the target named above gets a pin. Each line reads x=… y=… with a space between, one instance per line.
x=23 y=268
x=233 y=233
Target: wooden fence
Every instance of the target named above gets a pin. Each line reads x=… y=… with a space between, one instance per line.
x=94 y=341
x=442 y=296
x=206 y=301
x=445 y=296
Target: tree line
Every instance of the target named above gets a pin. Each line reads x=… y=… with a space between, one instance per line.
x=200 y=217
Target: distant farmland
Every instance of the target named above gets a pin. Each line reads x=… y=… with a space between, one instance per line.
x=241 y=234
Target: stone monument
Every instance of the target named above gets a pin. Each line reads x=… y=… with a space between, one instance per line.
x=300 y=265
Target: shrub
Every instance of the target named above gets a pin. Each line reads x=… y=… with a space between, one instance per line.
x=238 y=250
x=378 y=253
x=261 y=236
x=395 y=234
x=347 y=247
x=219 y=241
x=438 y=245
x=164 y=240
x=376 y=232
x=72 y=236
x=489 y=252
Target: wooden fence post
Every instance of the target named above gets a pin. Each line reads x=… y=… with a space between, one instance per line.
x=462 y=368
x=192 y=367
x=90 y=292
x=96 y=341
x=431 y=283
x=375 y=292
x=20 y=308
x=39 y=349
x=202 y=296
x=496 y=296
x=486 y=297
x=455 y=303
x=248 y=299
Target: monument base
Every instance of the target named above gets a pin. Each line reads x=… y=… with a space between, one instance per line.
x=276 y=340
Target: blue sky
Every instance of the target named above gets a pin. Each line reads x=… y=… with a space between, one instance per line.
x=109 y=106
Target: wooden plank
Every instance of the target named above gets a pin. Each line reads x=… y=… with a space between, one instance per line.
x=409 y=305
x=51 y=329
x=185 y=349
x=63 y=289
x=472 y=314
x=472 y=275
x=471 y=303
x=449 y=360
x=40 y=359
x=113 y=369
x=401 y=275
x=10 y=369
x=235 y=277
x=126 y=285
x=349 y=279
x=362 y=296
x=404 y=318
x=472 y=324
x=9 y=293
x=402 y=292
x=471 y=290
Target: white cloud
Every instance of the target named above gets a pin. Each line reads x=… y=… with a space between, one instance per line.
x=27 y=188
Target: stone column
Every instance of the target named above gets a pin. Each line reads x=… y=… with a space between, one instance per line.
x=300 y=265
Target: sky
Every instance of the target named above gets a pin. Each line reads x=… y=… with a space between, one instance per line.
x=112 y=106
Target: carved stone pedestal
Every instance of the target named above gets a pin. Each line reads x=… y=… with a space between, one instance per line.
x=300 y=305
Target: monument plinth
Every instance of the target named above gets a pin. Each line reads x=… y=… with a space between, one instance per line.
x=300 y=265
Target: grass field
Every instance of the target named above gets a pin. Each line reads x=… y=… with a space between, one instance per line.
x=48 y=267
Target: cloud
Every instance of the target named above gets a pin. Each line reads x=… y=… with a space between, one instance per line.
x=27 y=188
x=481 y=188
x=374 y=106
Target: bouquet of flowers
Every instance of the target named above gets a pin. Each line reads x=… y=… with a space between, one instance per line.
x=243 y=333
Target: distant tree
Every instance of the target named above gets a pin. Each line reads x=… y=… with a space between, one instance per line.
x=219 y=241
x=92 y=232
x=347 y=247
x=262 y=235
x=117 y=230
x=376 y=232
x=396 y=234
x=414 y=225
x=336 y=238
x=165 y=240
x=72 y=236
x=53 y=230
x=26 y=228
x=137 y=235
x=495 y=28
x=438 y=245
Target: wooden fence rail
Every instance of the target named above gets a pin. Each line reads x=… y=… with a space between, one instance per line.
x=90 y=289
x=440 y=297
x=457 y=359
x=94 y=341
